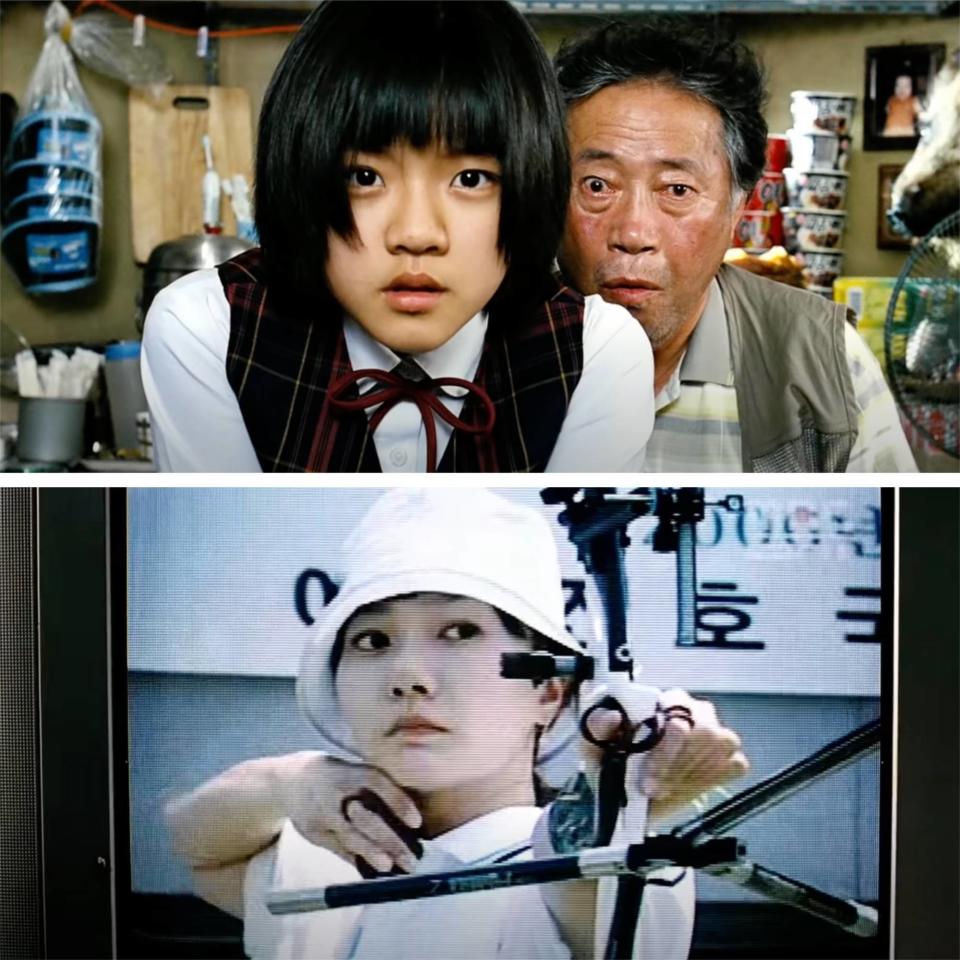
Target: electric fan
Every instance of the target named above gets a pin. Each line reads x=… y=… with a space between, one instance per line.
x=922 y=336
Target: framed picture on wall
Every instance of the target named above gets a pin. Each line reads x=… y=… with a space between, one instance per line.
x=898 y=82
x=887 y=237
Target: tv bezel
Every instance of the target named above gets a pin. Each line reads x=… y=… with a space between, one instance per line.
x=81 y=544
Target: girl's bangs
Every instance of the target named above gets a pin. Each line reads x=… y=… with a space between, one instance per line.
x=451 y=106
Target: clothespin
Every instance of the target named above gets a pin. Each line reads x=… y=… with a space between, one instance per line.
x=203 y=41
x=139 y=30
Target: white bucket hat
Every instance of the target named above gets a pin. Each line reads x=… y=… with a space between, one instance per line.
x=465 y=542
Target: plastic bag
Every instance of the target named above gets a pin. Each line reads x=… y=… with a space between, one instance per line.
x=54 y=84
x=52 y=187
x=104 y=42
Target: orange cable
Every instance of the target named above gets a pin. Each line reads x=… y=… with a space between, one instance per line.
x=184 y=31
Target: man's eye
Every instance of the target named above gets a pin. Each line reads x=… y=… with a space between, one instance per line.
x=370 y=640
x=595 y=185
x=679 y=190
x=462 y=630
x=472 y=179
x=363 y=177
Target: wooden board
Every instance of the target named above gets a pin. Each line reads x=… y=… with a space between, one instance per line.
x=166 y=158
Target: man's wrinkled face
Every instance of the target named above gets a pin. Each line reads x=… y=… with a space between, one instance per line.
x=652 y=209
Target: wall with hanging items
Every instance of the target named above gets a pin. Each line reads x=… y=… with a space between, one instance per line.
x=802 y=51
x=107 y=310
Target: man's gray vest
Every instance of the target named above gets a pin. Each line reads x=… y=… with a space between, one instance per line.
x=795 y=396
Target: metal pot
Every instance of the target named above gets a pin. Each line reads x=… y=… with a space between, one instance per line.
x=178 y=257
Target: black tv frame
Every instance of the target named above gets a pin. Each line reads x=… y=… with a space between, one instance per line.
x=90 y=911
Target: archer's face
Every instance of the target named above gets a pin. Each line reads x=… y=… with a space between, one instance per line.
x=419 y=683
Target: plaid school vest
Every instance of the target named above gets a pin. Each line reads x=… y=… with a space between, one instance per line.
x=281 y=365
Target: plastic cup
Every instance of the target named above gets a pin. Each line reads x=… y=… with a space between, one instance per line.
x=121 y=369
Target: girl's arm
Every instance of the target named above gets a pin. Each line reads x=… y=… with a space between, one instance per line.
x=221 y=825
x=218 y=827
x=611 y=411
x=194 y=414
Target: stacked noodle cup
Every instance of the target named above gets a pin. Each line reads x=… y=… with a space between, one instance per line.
x=816 y=184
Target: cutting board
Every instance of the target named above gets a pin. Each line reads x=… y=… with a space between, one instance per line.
x=166 y=158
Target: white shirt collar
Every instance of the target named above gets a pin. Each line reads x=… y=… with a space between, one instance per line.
x=481 y=838
x=707 y=357
x=458 y=357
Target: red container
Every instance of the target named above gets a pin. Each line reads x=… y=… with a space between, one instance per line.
x=776 y=229
x=769 y=193
x=778 y=152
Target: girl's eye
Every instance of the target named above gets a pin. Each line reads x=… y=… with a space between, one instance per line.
x=370 y=640
x=462 y=630
x=363 y=177
x=472 y=179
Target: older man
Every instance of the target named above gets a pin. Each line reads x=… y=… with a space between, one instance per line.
x=667 y=141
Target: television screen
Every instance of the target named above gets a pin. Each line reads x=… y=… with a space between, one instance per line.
x=772 y=604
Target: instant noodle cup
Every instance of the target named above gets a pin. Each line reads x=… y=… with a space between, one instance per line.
x=814 y=149
x=778 y=152
x=822 y=110
x=769 y=193
x=753 y=231
x=820 y=267
x=812 y=229
x=816 y=189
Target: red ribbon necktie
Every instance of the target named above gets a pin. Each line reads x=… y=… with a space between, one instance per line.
x=396 y=388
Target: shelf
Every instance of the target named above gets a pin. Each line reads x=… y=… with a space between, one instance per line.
x=874 y=7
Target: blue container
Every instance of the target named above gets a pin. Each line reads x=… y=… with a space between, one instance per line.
x=57 y=136
x=53 y=256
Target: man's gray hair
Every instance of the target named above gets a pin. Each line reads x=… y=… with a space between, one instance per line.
x=680 y=53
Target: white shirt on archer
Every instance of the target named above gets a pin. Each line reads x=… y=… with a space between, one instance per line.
x=198 y=427
x=510 y=923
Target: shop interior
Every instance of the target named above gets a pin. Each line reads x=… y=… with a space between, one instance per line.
x=167 y=114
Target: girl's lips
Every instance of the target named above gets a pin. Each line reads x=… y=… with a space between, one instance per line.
x=411 y=300
x=416 y=725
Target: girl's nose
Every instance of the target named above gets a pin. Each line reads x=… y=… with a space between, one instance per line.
x=411 y=678
x=400 y=690
x=417 y=225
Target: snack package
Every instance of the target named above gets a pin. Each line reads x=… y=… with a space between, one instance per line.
x=869 y=299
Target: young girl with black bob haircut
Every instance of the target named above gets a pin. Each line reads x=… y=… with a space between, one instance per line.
x=401 y=313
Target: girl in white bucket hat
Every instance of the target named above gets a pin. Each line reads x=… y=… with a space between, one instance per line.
x=435 y=751
x=455 y=552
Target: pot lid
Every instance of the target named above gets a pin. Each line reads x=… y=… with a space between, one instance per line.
x=196 y=251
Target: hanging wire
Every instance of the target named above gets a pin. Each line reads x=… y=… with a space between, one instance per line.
x=184 y=31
